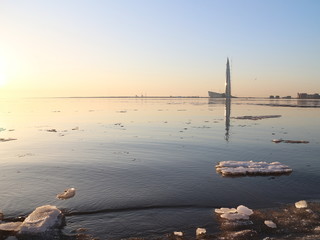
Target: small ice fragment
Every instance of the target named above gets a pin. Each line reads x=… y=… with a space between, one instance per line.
x=178 y=234
x=317 y=229
x=244 y=210
x=301 y=204
x=225 y=210
x=68 y=193
x=277 y=140
x=200 y=231
x=270 y=224
x=235 y=216
x=10 y=226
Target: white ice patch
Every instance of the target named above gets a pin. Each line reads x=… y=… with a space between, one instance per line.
x=270 y=224
x=178 y=234
x=242 y=212
x=238 y=168
x=10 y=226
x=225 y=210
x=234 y=216
x=41 y=220
x=200 y=231
x=68 y=193
x=301 y=204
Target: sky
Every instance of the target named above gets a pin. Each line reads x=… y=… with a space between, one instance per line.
x=158 y=47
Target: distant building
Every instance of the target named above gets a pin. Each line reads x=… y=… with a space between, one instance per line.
x=308 y=96
x=287 y=97
x=227 y=93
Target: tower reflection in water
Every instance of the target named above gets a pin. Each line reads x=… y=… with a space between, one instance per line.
x=227 y=112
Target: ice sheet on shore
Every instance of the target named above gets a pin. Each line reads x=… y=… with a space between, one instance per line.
x=242 y=168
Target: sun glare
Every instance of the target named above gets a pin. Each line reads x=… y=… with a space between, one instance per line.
x=2 y=74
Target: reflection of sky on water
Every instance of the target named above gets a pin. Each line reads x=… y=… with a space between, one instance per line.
x=132 y=153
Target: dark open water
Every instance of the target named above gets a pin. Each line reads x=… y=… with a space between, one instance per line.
x=146 y=167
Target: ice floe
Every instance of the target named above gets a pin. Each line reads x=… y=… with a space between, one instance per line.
x=178 y=234
x=289 y=141
x=301 y=204
x=10 y=226
x=241 y=168
x=200 y=231
x=270 y=224
x=242 y=212
x=257 y=117
x=7 y=139
x=42 y=219
x=68 y=193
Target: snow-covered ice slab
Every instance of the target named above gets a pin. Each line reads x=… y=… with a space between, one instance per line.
x=42 y=220
x=242 y=168
x=10 y=226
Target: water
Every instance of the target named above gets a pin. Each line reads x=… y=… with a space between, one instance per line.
x=146 y=167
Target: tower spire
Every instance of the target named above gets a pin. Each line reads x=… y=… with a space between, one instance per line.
x=228 y=80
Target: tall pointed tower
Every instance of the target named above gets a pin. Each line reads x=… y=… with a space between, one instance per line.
x=228 y=81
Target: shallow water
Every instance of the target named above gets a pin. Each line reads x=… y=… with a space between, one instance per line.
x=146 y=167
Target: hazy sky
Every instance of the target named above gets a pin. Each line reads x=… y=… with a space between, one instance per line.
x=158 y=47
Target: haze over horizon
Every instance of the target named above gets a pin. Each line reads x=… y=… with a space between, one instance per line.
x=158 y=48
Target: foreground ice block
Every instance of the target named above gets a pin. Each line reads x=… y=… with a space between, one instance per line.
x=241 y=168
x=42 y=220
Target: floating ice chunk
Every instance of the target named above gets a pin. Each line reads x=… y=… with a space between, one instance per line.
x=200 y=231
x=241 y=168
x=295 y=141
x=10 y=226
x=301 y=204
x=7 y=139
x=178 y=234
x=257 y=117
x=289 y=141
x=244 y=210
x=68 y=193
x=225 y=210
x=42 y=220
x=270 y=224
x=235 y=216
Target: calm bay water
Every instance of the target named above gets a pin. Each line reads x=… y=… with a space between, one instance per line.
x=146 y=167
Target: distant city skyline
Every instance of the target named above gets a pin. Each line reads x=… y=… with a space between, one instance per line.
x=158 y=48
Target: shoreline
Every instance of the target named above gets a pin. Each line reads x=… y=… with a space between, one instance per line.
x=300 y=220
